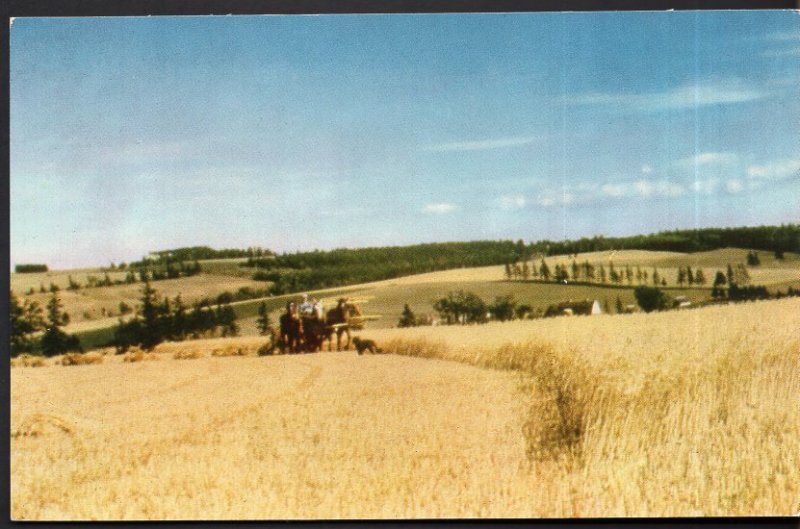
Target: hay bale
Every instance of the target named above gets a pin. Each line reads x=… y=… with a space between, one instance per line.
x=186 y=354
x=138 y=355
x=77 y=359
x=27 y=360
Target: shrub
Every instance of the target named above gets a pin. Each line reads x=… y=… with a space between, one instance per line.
x=229 y=350
x=27 y=360
x=138 y=355
x=186 y=354
x=30 y=268
x=77 y=359
x=650 y=298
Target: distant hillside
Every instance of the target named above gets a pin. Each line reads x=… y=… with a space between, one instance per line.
x=324 y=269
x=784 y=238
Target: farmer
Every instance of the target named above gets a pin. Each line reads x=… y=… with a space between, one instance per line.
x=306 y=307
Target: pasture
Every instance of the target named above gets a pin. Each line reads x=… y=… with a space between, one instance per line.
x=671 y=414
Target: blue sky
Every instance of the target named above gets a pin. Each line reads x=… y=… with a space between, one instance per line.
x=138 y=134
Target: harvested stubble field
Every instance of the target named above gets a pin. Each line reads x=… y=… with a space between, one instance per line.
x=328 y=435
x=675 y=414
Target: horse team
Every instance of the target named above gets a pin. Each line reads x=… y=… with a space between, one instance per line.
x=305 y=329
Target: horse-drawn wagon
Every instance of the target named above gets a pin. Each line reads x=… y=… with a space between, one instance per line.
x=308 y=332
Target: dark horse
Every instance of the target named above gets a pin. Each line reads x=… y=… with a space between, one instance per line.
x=314 y=333
x=291 y=330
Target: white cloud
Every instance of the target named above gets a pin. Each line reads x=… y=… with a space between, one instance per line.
x=439 y=208
x=644 y=187
x=706 y=187
x=646 y=169
x=784 y=35
x=776 y=170
x=734 y=186
x=681 y=97
x=481 y=145
x=614 y=190
x=709 y=158
x=785 y=52
x=509 y=202
x=551 y=198
x=658 y=189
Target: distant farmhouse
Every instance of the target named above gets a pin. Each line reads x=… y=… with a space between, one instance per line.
x=574 y=308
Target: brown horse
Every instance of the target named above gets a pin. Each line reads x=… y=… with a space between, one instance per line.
x=338 y=321
x=291 y=330
x=314 y=333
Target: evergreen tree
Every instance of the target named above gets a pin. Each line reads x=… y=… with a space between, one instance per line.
x=54 y=340
x=544 y=271
x=612 y=273
x=151 y=328
x=263 y=321
x=179 y=323
x=26 y=319
x=526 y=271
x=656 y=279
x=689 y=275
x=226 y=319
x=731 y=277
x=575 y=270
x=508 y=271
x=619 y=307
x=681 y=276
x=700 y=277
x=602 y=273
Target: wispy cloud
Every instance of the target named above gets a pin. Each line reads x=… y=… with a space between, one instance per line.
x=784 y=35
x=440 y=208
x=681 y=97
x=552 y=198
x=706 y=186
x=785 y=52
x=614 y=190
x=647 y=169
x=709 y=158
x=643 y=188
x=734 y=186
x=481 y=145
x=511 y=202
x=776 y=170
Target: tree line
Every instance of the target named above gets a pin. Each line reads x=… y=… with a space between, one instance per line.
x=317 y=269
x=587 y=272
x=33 y=331
x=198 y=253
x=30 y=268
x=778 y=239
x=156 y=321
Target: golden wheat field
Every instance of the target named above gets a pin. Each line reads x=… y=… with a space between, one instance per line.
x=672 y=414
